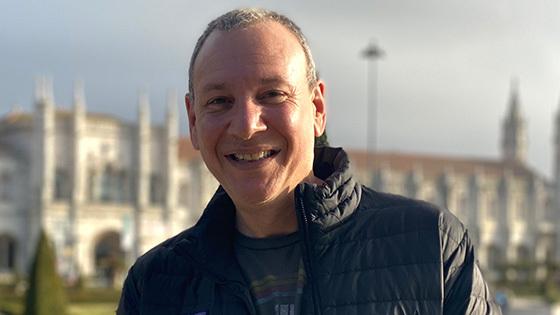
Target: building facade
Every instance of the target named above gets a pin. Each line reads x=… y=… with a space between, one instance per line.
x=106 y=190
x=510 y=210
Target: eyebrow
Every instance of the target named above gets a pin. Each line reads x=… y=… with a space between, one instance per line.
x=213 y=87
x=271 y=80
x=222 y=86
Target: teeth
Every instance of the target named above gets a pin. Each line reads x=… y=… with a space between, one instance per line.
x=252 y=156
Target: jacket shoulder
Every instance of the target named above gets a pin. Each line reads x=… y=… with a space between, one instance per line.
x=163 y=256
x=157 y=275
x=161 y=260
x=396 y=214
x=403 y=213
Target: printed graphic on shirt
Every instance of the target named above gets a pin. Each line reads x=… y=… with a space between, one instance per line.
x=284 y=309
x=274 y=269
x=278 y=289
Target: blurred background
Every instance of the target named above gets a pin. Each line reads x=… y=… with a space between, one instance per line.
x=452 y=102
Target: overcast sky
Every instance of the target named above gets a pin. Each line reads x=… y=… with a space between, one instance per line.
x=443 y=84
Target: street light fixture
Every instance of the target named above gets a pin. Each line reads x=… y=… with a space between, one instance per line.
x=372 y=53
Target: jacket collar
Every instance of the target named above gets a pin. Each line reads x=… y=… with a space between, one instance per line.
x=210 y=242
x=332 y=202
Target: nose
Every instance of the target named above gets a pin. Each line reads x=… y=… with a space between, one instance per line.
x=246 y=119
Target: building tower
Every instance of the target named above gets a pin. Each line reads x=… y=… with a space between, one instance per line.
x=77 y=178
x=170 y=149
x=556 y=146
x=514 y=133
x=143 y=171
x=42 y=168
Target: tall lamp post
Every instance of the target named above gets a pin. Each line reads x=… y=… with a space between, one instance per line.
x=372 y=53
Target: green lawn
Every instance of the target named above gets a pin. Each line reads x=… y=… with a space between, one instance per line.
x=73 y=308
x=81 y=302
x=92 y=309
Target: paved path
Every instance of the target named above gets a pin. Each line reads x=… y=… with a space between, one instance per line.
x=528 y=307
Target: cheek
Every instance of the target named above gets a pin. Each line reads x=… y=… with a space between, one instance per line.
x=303 y=121
x=293 y=117
x=208 y=132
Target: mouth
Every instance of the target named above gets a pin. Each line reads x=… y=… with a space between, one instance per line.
x=252 y=157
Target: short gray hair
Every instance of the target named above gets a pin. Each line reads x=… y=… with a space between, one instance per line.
x=242 y=18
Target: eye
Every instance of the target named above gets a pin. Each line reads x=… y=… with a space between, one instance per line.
x=217 y=100
x=273 y=97
x=218 y=103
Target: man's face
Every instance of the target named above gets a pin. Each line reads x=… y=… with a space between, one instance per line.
x=254 y=117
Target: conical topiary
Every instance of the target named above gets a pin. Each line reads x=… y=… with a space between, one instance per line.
x=45 y=294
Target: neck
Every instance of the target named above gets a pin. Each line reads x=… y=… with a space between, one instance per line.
x=272 y=218
x=268 y=220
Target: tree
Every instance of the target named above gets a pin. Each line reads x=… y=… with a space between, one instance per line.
x=45 y=294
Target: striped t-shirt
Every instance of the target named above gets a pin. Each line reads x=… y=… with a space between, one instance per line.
x=274 y=269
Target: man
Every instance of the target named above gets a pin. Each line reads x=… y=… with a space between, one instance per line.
x=290 y=231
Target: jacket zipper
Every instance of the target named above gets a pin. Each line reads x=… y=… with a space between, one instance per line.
x=242 y=292
x=237 y=289
x=307 y=258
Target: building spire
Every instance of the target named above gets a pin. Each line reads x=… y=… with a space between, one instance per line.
x=514 y=111
x=44 y=90
x=514 y=135
x=556 y=158
x=143 y=105
x=79 y=95
x=558 y=115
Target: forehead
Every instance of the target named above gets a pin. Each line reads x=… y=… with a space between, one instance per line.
x=260 y=47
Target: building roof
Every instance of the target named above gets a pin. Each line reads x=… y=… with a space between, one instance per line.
x=186 y=151
x=19 y=119
x=15 y=119
x=435 y=165
x=431 y=165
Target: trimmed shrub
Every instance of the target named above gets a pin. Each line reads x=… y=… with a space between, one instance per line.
x=45 y=294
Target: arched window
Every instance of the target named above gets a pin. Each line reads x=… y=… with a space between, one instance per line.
x=523 y=253
x=107 y=184
x=123 y=188
x=462 y=208
x=492 y=209
x=61 y=184
x=156 y=189
x=7 y=253
x=6 y=185
x=495 y=257
x=109 y=257
x=92 y=188
x=112 y=185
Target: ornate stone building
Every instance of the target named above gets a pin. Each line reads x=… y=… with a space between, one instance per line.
x=106 y=190
x=510 y=210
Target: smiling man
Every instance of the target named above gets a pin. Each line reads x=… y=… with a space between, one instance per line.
x=290 y=231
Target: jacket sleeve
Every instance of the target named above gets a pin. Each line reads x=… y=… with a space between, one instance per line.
x=464 y=288
x=130 y=295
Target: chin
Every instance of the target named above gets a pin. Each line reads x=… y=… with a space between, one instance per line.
x=255 y=196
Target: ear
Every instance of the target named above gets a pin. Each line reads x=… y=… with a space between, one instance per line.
x=192 y=120
x=320 y=108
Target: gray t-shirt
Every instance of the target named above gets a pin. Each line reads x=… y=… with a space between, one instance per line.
x=274 y=269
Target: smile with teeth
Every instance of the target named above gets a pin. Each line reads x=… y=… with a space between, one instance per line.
x=251 y=157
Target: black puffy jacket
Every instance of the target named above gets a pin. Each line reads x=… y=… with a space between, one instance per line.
x=364 y=253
